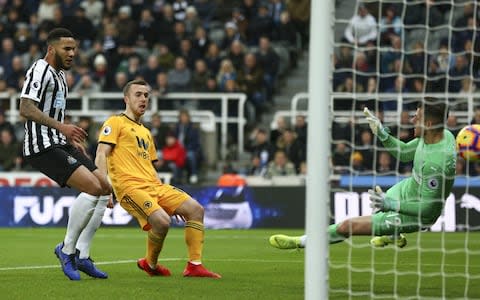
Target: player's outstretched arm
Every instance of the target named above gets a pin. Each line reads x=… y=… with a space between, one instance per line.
x=403 y=151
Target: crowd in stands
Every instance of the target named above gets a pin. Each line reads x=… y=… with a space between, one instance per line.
x=175 y=45
x=409 y=46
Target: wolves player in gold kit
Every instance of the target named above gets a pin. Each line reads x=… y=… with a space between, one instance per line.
x=126 y=151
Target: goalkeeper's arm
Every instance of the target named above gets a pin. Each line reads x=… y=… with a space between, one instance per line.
x=403 y=151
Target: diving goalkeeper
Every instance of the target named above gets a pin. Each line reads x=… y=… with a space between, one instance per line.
x=413 y=203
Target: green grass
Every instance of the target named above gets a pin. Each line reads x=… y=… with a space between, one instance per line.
x=251 y=269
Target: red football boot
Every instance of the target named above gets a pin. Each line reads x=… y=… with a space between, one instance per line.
x=192 y=270
x=158 y=271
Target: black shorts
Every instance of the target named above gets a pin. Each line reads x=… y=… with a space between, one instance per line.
x=59 y=162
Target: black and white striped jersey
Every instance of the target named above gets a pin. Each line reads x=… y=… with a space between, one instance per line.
x=48 y=87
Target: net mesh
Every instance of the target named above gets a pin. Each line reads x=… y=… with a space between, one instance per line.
x=387 y=56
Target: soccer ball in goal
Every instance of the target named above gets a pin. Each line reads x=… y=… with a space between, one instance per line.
x=468 y=143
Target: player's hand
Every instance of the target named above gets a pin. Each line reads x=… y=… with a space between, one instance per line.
x=379 y=201
x=375 y=125
x=73 y=133
x=110 y=201
x=81 y=148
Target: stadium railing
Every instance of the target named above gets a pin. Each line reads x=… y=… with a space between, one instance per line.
x=84 y=108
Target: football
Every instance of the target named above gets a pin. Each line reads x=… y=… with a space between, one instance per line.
x=468 y=142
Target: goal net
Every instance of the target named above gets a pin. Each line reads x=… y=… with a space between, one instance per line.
x=387 y=56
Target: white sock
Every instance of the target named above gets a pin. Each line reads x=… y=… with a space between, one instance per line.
x=303 y=241
x=85 y=240
x=80 y=213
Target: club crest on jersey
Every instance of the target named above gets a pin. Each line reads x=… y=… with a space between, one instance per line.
x=433 y=183
x=107 y=130
x=147 y=204
x=35 y=85
x=71 y=160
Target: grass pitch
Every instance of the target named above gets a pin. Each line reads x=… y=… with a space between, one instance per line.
x=251 y=269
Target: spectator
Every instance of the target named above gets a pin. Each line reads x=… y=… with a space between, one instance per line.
x=384 y=165
x=231 y=34
x=148 y=30
x=4 y=124
x=276 y=133
x=259 y=25
x=200 y=76
x=418 y=59
x=269 y=61
x=475 y=119
x=126 y=26
x=100 y=72
x=357 y=162
x=417 y=13
x=362 y=27
x=10 y=156
x=93 y=10
x=213 y=58
x=250 y=81
x=174 y=155
x=398 y=88
x=240 y=21
x=206 y=10
x=150 y=71
x=22 y=38
x=87 y=86
x=17 y=76
x=390 y=24
x=301 y=128
x=286 y=35
x=255 y=168
x=456 y=74
x=275 y=9
x=236 y=54
x=201 y=41
x=166 y=59
x=189 y=136
x=159 y=130
x=189 y=53
x=161 y=84
x=280 y=166
x=226 y=72
x=259 y=146
x=69 y=7
x=46 y=10
x=341 y=158
x=6 y=55
x=294 y=149
x=192 y=22
x=365 y=148
x=83 y=27
x=180 y=77
x=165 y=27
x=32 y=54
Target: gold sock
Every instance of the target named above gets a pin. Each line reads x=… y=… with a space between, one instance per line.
x=194 y=234
x=154 y=246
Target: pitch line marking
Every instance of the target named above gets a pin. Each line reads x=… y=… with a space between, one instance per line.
x=127 y=261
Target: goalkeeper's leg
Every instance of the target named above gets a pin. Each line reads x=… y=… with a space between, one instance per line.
x=389 y=226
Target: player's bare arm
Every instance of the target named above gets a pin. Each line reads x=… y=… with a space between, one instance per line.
x=30 y=111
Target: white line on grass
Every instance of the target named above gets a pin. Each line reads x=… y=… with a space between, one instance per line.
x=128 y=261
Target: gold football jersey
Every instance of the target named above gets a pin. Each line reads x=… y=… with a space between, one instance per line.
x=130 y=162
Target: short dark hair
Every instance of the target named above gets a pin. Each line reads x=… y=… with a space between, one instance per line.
x=435 y=110
x=57 y=34
x=126 y=89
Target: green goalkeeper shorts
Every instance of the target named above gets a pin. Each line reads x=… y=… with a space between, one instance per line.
x=386 y=223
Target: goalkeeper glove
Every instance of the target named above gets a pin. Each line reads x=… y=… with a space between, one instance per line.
x=376 y=126
x=380 y=201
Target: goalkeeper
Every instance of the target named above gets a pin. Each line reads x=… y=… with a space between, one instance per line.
x=413 y=203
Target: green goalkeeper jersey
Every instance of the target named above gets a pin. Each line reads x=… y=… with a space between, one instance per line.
x=424 y=193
